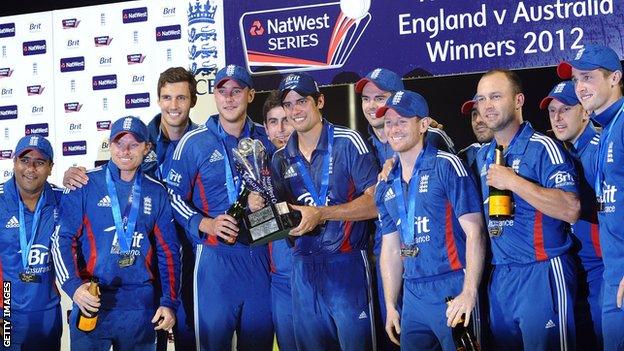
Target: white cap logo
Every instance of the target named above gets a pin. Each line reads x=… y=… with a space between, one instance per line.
x=375 y=73
x=579 y=54
x=127 y=124
x=230 y=70
x=34 y=141
x=397 y=97
x=559 y=88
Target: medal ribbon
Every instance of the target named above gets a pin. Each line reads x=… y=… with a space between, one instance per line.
x=233 y=185
x=602 y=154
x=26 y=243
x=319 y=197
x=407 y=214
x=125 y=236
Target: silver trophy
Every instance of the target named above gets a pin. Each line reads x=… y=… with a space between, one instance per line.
x=276 y=219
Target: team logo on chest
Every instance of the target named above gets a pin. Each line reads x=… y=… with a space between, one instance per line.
x=515 y=165
x=483 y=171
x=610 y=153
x=389 y=195
x=147 y=205
x=290 y=172
x=216 y=156
x=423 y=186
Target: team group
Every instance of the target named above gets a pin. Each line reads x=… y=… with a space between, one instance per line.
x=151 y=225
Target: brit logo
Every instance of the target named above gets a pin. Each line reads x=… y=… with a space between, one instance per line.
x=5 y=72
x=72 y=107
x=318 y=36
x=137 y=100
x=216 y=156
x=135 y=58
x=106 y=61
x=75 y=148
x=6 y=92
x=138 y=14
x=174 y=178
x=34 y=90
x=73 y=43
x=137 y=79
x=72 y=64
x=103 y=125
x=423 y=186
x=12 y=223
x=6 y=154
x=147 y=205
x=168 y=11
x=36 y=47
x=39 y=128
x=8 y=112
x=102 y=41
x=70 y=23
x=7 y=30
x=168 y=32
x=562 y=178
x=104 y=82
x=104 y=202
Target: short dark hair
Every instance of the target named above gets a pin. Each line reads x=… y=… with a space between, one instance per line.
x=272 y=101
x=176 y=75
x=512 y=77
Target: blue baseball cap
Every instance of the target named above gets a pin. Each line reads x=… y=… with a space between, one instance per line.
x=129 y=124
x=34 y=142
x=563 y=92
x=300 y=82
x=589 y=58
x=467 y=106
x=406 y=103
x=383 y=78
x=237 y=73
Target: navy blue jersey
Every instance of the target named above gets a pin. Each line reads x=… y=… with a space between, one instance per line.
x=531 y=235
x=445 y=192
x=611 y=157
x=27 y=297
x=197 y=179
x=86 y=243
x=469 y=156
x=352 y=170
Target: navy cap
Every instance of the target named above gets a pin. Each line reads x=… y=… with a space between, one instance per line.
x=34 y=142
x=467 y=106
x=237 y=73
x=406 y=103
x=383 y=78
x=563 y=92
x=589 y=58
x=129 y=124
x=300 y=82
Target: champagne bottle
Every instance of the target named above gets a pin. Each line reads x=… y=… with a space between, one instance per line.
x=86 y=323
x=462 y=337
x=500 y=203
x=237 y=210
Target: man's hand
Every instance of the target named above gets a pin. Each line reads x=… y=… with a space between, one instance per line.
x=85 y=301
x=75 y=177
x=500 y=177
x=223 y=226
x=311 y=217
x=164 y=318
x=393 y=325
x=255 y=201
x=620 y=293
x=435 y=124
x=463 y=304
x=385 y=170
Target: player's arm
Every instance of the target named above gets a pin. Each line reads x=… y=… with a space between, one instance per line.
x=391 y=266
x=75 y=177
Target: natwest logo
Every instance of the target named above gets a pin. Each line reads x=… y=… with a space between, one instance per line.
x=104 y=40
x=39 y=128
x=72 y=64
x=137 y=100
x=5 y=72
x=8 y=112
x=103 y=125
x=72 y=107
x=6 y=154
x=7 y=30
x=75 y=148
x=34 y=90
x=36 y=47
x=256 y=28
x=105 y=82
x=168 y=32
x=70 y=23
x=133 y=59
x=134 y=15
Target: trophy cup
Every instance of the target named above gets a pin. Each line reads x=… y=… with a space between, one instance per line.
x=276 y=219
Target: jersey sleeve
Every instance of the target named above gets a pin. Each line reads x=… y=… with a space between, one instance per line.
x=168 y=251
x=384 y=191
x=438 y=138
x=459 y=185
x=65 y=238
x=557 y=170
x=364 y=166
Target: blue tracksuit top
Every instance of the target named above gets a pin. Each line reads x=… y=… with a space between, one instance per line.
x=446 y=191
x=27 y=297
x=530 y=236
x=352 y=170
x=86 y=243
x=197 y=179
x=611 y=231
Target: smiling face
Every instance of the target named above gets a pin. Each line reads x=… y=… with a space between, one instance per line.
x=232 y=100
x=278 y=126
x=497 y=102
x=175 y=104
x=372 y=99
x=302 y=112
x=596 y=89
x=31 y=170
x=567 y=122
x=127 y=152
x=404 y=133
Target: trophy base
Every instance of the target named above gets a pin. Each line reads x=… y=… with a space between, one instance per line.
x=270 y=223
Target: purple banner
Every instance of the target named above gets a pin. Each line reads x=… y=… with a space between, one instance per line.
x=342 y=41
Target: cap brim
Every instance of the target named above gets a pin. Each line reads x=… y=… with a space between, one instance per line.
x=545 y=102
x=225 y=79
x=467 y=107
x=298 y=91
x=381 y=111
x=121 y=133
x=564 y=70
x=28 y=149
x=359 y=86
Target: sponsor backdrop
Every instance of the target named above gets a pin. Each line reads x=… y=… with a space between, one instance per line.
x=68 y=74
x=413 y=37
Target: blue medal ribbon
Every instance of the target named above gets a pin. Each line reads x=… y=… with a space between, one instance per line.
x=602 y=154
x=26 y=243
x=232 y=185
x=125 y=236
x=407 y=215
x=319 y=197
